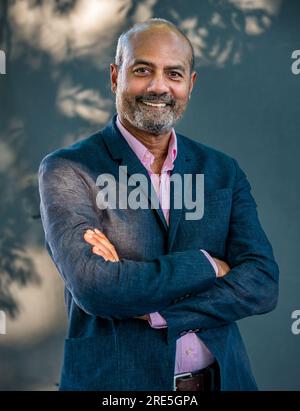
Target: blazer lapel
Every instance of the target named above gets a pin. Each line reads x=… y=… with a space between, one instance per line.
x=182 y=166
x=124 y=155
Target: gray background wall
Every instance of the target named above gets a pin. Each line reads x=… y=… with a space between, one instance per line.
x=56 y=90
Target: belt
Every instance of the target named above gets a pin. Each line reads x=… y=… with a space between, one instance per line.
x=207 y=379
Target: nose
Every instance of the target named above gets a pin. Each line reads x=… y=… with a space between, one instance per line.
x=158 y=84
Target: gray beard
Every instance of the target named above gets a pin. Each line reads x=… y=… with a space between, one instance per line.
x=159 y=123
x=151 y=125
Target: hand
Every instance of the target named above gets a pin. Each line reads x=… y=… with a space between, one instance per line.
x=103 y=247
x=223 y=267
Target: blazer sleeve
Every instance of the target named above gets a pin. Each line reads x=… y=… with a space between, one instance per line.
x=250 y=287
x=119 y=290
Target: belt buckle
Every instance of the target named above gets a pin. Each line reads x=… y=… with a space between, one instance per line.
x=184 y=374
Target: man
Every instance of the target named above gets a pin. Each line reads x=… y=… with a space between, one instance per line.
x=151 y=293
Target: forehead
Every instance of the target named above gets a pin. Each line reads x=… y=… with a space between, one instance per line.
x=160 y=46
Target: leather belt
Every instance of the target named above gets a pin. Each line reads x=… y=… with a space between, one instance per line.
x=207 y=379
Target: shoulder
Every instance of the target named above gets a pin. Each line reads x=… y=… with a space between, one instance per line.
x=208 y=156
x=74 y=156
x=220 y=169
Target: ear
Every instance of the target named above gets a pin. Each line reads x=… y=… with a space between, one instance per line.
x=114 y=71
x=193 y=80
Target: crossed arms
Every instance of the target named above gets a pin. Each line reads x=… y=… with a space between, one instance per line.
x=104 y=248
x=124 y=288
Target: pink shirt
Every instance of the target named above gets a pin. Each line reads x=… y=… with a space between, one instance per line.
x=191 y=352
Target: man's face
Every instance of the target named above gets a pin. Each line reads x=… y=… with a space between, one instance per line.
x=154 y=82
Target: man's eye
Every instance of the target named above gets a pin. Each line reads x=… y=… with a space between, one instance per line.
x=141 y=70
x=175 y=74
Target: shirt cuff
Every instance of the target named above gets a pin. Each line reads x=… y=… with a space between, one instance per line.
x=157 y=321
x=211 y=260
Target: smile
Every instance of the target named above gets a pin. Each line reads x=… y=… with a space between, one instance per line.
x=154 y=104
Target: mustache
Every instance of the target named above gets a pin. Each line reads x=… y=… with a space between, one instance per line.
x=156 y=98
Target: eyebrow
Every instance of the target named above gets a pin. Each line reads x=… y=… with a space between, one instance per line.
x=148 y=63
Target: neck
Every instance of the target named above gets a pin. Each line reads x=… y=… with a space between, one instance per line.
x=156 y=144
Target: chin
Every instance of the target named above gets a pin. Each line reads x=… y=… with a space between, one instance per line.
x=157 y=130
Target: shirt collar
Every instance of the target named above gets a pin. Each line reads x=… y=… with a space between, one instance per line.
x=142 y=152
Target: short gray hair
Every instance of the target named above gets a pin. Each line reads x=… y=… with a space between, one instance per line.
x=125 y=37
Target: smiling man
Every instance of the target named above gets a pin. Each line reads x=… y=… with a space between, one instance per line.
x=152 y=297
x=152 y=88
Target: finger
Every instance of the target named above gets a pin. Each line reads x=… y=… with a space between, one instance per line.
x=95 y=251
x=96 y=237
x=102 y=235
x=95 y=242
x=102 y=249
x=107 y=244
x=91 y=239
x=102 y=253
x=98 y=234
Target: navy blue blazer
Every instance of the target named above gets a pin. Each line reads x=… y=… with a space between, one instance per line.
x=160 y=268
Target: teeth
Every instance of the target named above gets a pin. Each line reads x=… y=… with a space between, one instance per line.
x=154 y=104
